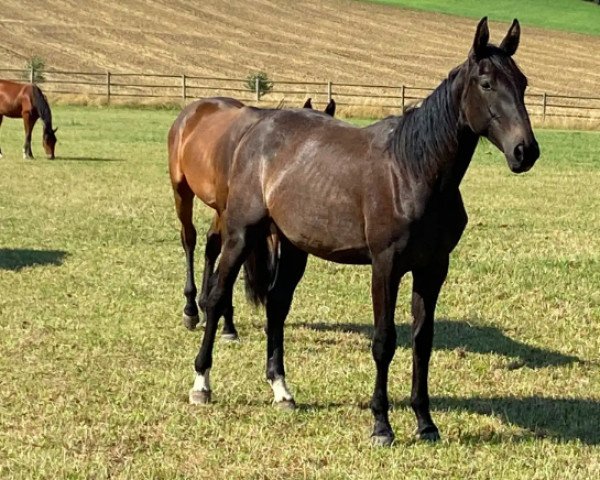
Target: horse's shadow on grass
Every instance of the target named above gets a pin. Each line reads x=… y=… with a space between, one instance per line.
x=89 y=159
x=566 y=419
x=19 y=258
x=464 y=336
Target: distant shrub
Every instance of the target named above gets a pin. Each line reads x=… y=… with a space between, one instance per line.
x=264 y=84
x=38 y=65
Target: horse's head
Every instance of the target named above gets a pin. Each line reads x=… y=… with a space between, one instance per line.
x=49 y=141
x=493 y=99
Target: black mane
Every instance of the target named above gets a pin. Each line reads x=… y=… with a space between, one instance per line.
x=41 y=104
x=427 y=133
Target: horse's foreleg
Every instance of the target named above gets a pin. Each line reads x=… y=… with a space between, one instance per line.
x=384 y=290
x=28 y=123
x=292 y=264
x=0 y=126
x=427 y=283
x=184 y=205
x=235 y=250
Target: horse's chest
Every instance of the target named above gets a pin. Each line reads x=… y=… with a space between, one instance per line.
x=437 y=232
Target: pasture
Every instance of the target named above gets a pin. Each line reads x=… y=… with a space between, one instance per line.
x=96 y=365
x=570 y=16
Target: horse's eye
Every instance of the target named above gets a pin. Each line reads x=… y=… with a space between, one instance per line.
x=485 y=85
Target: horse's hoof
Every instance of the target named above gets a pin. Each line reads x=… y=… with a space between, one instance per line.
x=430 y=434
x=286 y=404
x=382 y=440
x=200 y=397
x=190 y=321
x=230 y=337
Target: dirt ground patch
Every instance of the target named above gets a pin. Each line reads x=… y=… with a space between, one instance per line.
x=341 y=40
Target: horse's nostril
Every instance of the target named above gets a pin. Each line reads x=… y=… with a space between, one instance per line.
x=535 y=151
x=519 y=152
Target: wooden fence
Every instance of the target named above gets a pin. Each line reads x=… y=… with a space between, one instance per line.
x=364 y=99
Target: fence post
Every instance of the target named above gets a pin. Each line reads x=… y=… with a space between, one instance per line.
x=183 y=88
x=329 y=90
x=403 y=99
x=544 y=107
x=108 y=88
x=257 y=88
x=32 y=73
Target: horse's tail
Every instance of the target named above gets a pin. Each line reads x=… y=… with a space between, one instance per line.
x=41 y=104
x=260 y=270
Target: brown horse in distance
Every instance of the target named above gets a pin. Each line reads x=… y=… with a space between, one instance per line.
x=201 y=144
x=26 y=100
x=386 y=195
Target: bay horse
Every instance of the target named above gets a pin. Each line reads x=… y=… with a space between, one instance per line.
x=201 y=144
x=26 y=100
x=385 y=195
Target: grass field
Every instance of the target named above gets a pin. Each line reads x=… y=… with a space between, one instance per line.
x=96 y=365
x=568 y=15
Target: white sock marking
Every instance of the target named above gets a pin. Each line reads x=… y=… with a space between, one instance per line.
x=202 y=382
x=280 y=390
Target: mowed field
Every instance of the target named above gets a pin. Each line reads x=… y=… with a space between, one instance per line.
x=96 y=365
x=568 y=15
x=339 y=40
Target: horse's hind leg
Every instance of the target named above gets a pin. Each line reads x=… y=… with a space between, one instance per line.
x=211 y=253
x=229 y=331
x=292 y=263
x=184 y=205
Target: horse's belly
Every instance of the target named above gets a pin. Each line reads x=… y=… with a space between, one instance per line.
x=329 y=233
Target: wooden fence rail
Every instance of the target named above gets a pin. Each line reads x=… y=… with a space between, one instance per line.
x=370 y=99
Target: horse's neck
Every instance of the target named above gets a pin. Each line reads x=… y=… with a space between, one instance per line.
x=438 y=140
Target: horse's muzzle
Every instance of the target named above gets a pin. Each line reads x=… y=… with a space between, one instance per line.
x=523 y=157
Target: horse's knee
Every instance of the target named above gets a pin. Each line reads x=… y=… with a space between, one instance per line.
x=188 y=236
x=384 y=345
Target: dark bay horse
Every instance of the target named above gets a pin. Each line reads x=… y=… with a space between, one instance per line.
x=201 y=144
x=26 y=100
x=385 y=195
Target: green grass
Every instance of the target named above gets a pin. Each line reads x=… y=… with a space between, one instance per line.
x=95 y=365
x=568 y=15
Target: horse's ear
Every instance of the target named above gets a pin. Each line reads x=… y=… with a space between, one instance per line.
x=482 y=36
x=308 y=103
x=55 y=130
x=511 y=41
x=330 y=108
